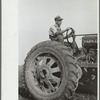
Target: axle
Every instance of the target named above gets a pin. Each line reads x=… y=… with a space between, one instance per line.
x=84 y=34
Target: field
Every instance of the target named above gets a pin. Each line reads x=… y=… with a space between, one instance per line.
x=77 y=96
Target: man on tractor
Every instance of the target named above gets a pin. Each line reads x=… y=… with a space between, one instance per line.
x=55 y=32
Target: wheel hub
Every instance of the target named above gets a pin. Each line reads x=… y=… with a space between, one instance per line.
x=43 y=73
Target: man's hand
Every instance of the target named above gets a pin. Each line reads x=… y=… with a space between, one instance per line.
x=68 y=28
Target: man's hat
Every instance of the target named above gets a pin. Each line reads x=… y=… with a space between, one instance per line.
x=58 y=18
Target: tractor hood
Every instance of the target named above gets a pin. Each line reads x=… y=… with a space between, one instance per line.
x=89 y=41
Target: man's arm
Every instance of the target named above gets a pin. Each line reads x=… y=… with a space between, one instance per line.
x=60 y=32
x=53 y=31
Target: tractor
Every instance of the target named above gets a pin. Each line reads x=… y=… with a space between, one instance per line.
x=54 y=71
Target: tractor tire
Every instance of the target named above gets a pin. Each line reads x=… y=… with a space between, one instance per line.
x=50 y=72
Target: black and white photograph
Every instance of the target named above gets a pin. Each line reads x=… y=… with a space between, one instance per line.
x=58 y=50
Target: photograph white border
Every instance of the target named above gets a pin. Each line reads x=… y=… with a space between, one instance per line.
x=9 y=50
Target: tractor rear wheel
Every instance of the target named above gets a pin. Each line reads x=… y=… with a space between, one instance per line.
x=50 y=72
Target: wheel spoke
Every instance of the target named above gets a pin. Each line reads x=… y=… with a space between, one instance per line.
x=56 y=69
x=44 y=61
x=50 y=86
x=56 y=79
x=50 y=63
x=40 y=63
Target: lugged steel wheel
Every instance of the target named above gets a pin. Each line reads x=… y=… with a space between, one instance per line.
x=50 y=72
x=45 y=74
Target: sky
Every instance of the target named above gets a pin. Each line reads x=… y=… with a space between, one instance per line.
x=35 y=17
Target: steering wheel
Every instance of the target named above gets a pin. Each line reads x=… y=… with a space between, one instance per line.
x=71 y=34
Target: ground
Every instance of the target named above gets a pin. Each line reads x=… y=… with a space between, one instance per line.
x=77 y=96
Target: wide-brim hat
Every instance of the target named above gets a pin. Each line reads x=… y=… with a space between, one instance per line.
x=58 y=18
